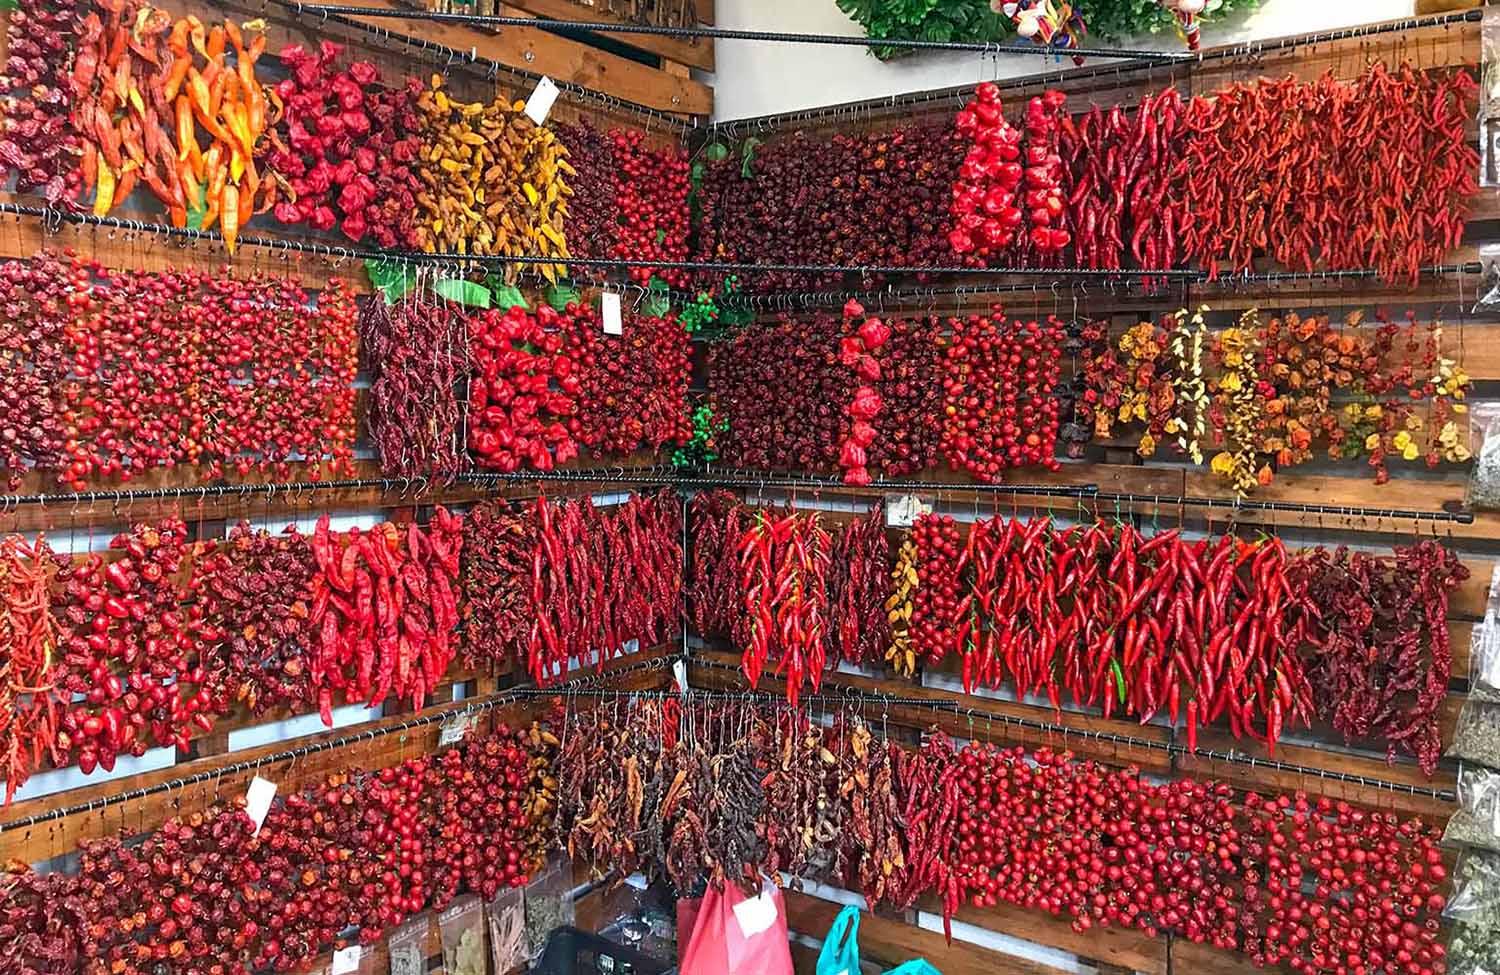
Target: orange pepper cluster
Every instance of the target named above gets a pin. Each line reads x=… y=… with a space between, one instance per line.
x=144 y=86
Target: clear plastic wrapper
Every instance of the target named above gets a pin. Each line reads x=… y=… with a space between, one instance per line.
x=1476 y=891
x=1484 y=444
x=549 y=905
x=1476 y=738
x=506 y=916
x=408 y=946
x=1473 y=950
x=1484 y=649
x=1489 y=99
x=1489 y=286
x=1477 y=822
x=462 y=926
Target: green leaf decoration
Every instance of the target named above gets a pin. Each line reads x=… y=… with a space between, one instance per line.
x=735 y=316
x=747 y=157
x=10 y=4
x=393 y=279
x=506 y=296
x=716 y=152
x=661 y=235
x=656 y=304
x=469 y=293
x=562 y=295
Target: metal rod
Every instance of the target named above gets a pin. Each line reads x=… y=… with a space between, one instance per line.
x=1226 y=52
x=53 y=217
x=572 y=688
x=735 y=34
x=455 y=57
x=1295 y=507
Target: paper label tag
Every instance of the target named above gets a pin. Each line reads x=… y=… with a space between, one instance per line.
x=540 y=102
x=454 y=729
x=679 y=672
x=902 y=510
x=347 y=959
x=756 y=914
x=609 y=307
x=258 y=799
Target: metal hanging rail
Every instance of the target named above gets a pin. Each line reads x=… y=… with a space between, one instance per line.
x=1293 y=507
x=957 y=93
x=711 y=478
x=734 y=34
x=453 y=58
x=54 y=218
x=480 y=706
x=418 y=486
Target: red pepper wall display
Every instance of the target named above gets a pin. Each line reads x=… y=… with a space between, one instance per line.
x=633 y=387
x=1280 y=878
x=346 y=147
x=784 y=561
x=383 y=607
x=851 y=199
x=207 y=892
x=651 y=187
x=39 y=144
x=600 y=578
x=1278 y=391
x=415 y=352
x=139 y=659
x=32 y=699
x=113 y=373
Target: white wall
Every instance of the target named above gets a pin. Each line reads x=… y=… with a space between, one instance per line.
x=760 y=78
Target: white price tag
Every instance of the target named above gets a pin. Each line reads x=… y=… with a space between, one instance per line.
x=902 y=510
x=347 y=959
x=609 y=308
x=258 y=799
x=454 y=729
x=756 y=914
x=540 y=102
x=679 y=672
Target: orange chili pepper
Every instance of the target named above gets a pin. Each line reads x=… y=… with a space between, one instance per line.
x=230 y=213
x=186 y=134
x=245 y=198
x=175 y=76
x=89 y=164
x=216 y=38
x=127 y=181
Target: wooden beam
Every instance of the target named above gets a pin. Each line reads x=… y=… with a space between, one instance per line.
x=697 y=52
x=533 y=50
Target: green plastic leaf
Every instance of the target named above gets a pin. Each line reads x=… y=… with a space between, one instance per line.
x=736 y=315
x=661 y=235
x=716 y=152
x=747 y=157
x=656 y=303
x=393 y=279
x=10 y=4
x=507 y=296
x=559 y=296
x=461 y=292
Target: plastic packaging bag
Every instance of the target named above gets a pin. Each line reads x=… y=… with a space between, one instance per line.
x=1476 y=891
x=506 y=916
x=549 y=905
x=1489 y=260
x=1489 y=99
x=1477 y=822
x=1476 y=738
x=840 y=954
x=1484 y=444
x=731 y=934
x=408 y=946
x=462 y=926
x=1484 y=649
x=1473 y=950
x=917 y=966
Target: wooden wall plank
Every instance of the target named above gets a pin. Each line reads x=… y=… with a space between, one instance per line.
x=533 y=50
x=697 y=52
x=889 y=943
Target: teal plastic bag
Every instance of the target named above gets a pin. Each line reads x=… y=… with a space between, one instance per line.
x=840 y=954
x=917 y=966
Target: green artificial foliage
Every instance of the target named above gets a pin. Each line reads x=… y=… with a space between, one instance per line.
x=973 y=21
